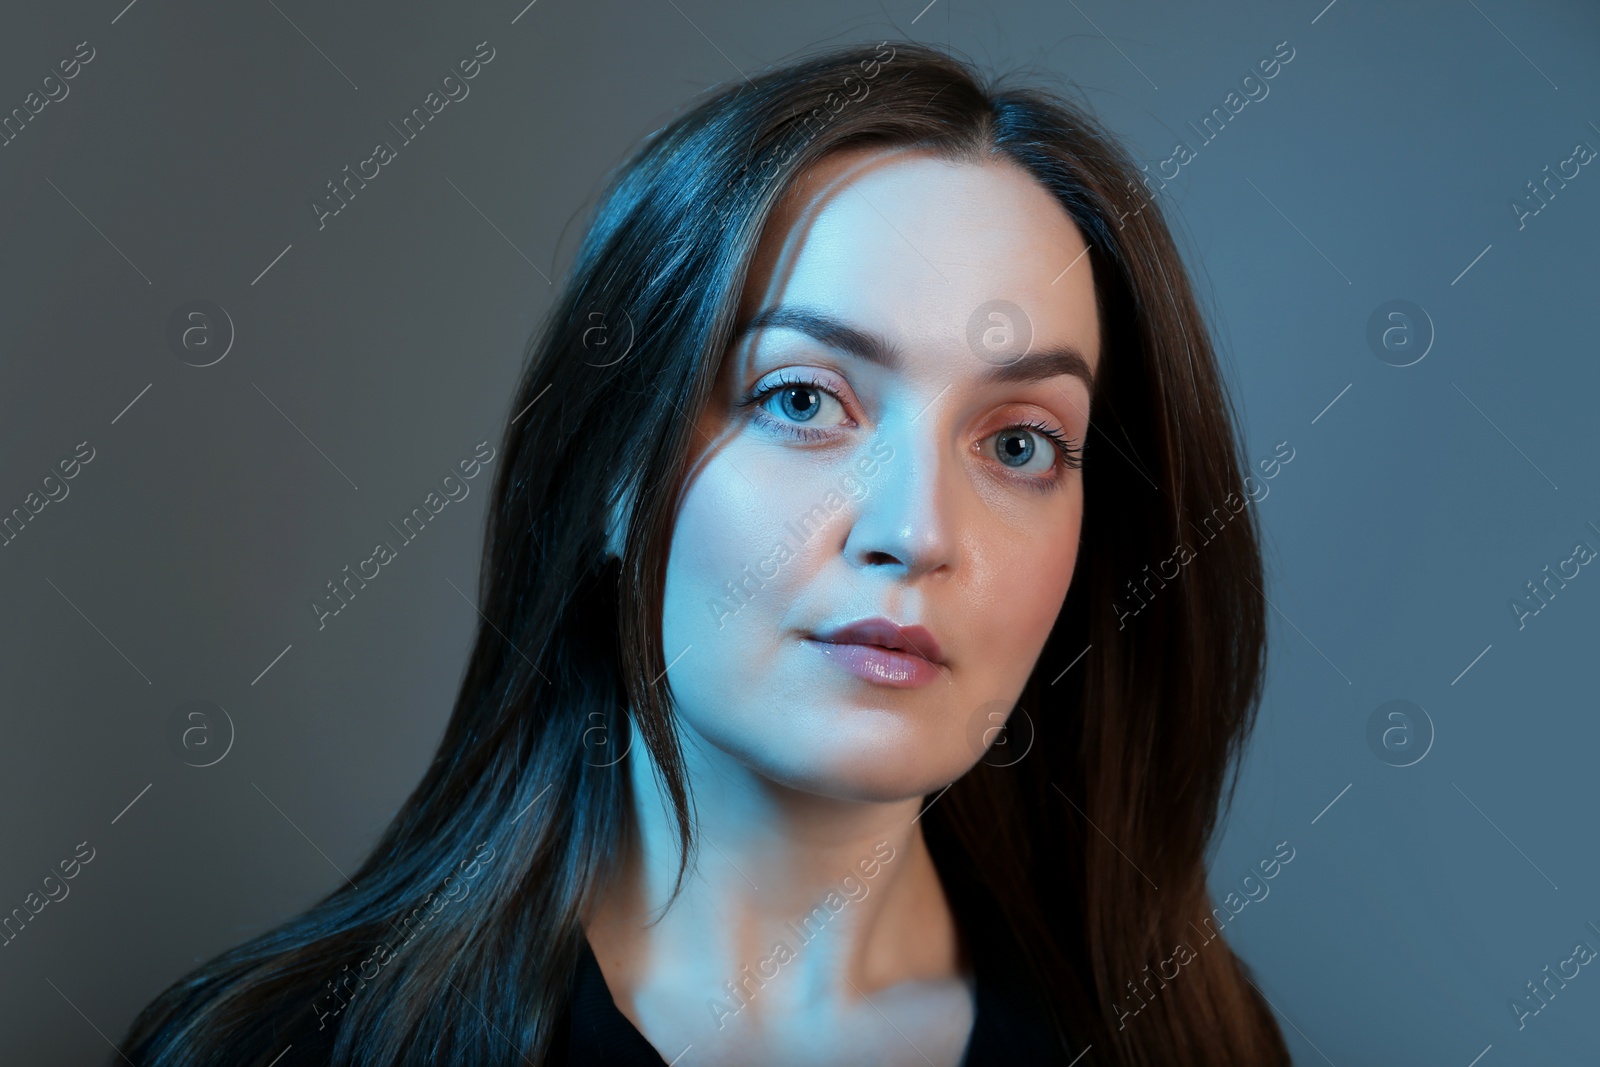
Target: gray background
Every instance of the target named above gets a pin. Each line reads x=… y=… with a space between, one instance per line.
x=375 y=353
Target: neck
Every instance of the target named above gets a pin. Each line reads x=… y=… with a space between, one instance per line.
x=793 y=897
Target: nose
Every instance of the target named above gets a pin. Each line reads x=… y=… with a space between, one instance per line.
x=905 y=522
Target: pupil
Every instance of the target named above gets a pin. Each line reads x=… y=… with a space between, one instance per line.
x=799 y=411
x=1023 y=449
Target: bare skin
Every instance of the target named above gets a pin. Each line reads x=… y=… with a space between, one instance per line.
x=893 y=946
x=809 y=780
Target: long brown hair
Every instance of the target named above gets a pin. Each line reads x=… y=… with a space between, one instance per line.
x=1090 y=850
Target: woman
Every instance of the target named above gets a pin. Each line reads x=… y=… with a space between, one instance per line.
x=812 y=555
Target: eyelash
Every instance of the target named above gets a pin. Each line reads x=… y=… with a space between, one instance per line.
x=1071 y=455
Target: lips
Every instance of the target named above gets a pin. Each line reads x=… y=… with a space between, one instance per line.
x=912 y=640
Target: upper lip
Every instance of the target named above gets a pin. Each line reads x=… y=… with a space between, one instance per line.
x=917 y=640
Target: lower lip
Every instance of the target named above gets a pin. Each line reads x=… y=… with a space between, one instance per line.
x=881 y=665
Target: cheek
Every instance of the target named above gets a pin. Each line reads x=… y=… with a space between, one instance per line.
x=1019 y=589
x=737 y=563
x=732 y=653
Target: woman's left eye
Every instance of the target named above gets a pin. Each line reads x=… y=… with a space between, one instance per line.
x=1013 y=447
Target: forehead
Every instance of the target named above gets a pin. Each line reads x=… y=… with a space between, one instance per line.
x=914 y=246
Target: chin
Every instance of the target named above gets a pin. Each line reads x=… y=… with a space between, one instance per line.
x=863 y=766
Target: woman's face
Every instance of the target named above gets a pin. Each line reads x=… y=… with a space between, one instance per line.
x=926 y=325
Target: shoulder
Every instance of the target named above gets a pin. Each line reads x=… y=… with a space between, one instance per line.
x=304 y=1053
x=292 y=1038
x=305 y=1038
x=286 y=1035
x=1015 y=1025
x=1011 y=1030
x=305 y=1041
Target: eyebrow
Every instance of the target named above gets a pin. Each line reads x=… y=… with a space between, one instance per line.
x=875 y=349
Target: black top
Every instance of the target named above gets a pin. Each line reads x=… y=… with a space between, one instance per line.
x=594 y=1033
